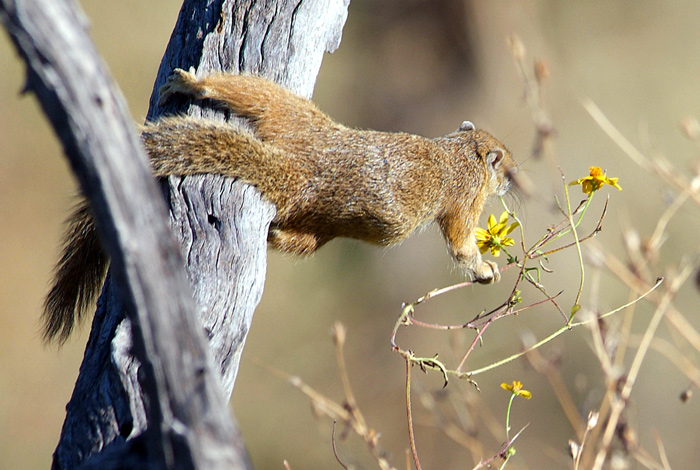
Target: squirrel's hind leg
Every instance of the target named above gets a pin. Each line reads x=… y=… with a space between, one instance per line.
x=246 y=95
x=273 y=108
x=295 y=242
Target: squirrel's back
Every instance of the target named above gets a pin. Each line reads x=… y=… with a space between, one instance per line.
x=325 y=180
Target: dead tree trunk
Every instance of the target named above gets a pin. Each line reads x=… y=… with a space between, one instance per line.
x=154 y=388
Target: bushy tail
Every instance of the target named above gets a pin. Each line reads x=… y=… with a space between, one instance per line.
x=78 y=275
x=186 y=146
x=176 y=146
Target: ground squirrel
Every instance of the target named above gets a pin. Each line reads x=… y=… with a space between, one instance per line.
x=326 y=181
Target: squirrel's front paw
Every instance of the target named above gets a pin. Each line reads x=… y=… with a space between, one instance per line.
x=487 y=273
x=181 y=81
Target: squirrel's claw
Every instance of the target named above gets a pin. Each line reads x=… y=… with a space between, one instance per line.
x=487 y=273
x=181 y=81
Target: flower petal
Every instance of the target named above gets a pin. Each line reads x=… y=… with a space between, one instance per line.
x=492 y=223
x=613 y=182
x=481 y=234
x=510 y=228
x=587 y=186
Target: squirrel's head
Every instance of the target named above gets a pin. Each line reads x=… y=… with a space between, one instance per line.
x=499 y=163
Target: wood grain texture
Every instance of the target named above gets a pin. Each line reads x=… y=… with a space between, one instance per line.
x=221 y=226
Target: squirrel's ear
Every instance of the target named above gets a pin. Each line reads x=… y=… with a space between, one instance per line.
x=466 y=126
x=495 y=157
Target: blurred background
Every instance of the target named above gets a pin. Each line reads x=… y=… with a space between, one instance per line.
x=420 y=66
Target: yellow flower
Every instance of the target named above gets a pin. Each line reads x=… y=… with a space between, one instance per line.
x=494 y=238
x=595 y=181
x=517 y=389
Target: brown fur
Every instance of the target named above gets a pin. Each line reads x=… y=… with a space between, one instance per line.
x=325 y=179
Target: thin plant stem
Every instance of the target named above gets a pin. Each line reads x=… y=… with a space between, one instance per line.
x=510 y=405
x=409 y=415
x=620 y=402
x=578 y=249
x=559 y=332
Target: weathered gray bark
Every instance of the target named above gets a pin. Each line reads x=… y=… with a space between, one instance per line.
x=91 y=119
x=283 y=40
x=221 y=226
